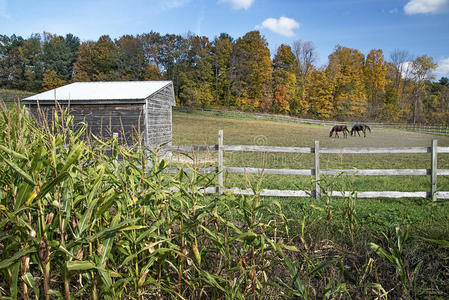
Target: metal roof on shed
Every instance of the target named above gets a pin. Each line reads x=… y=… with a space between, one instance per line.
x=101 y=90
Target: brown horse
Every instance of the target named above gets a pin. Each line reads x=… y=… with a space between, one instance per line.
x=360 y=127
x=338 y=128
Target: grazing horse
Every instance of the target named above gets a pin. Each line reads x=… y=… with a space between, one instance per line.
x=338 y=128
x=360 y=127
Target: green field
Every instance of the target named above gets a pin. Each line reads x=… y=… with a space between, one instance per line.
x=202 y=128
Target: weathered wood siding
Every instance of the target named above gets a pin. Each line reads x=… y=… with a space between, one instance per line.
x=127 y=120
x=159 y=117
x=149 y=120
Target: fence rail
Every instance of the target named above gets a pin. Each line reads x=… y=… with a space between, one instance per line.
x=434 y=172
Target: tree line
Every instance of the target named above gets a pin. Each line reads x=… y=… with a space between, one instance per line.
x=238 y=73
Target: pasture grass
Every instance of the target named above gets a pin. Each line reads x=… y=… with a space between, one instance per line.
x=202 y=128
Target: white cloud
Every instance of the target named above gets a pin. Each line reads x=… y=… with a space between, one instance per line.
x=239 y=4
x=443 y=67
x=426 y=6
x=282 y=26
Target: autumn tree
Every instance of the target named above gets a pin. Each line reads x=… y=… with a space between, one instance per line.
x=345 y=71
x=399 y=59
x=421 y=69
x=152 y=50
x=51 y=80
x=222 y=52
x=152 y=72
x=284 y=79
x=375 y=75
x=391 y=110
x=306 y=57
x=97 y=61
x=320 y=92
x=252 y=69
x=197 y=75
x=152 y=44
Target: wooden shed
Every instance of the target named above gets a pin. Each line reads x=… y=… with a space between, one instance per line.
x=127 y=109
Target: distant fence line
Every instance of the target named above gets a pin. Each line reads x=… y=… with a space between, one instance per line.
x=434 y=172
x=424 y=128
x=8 y=96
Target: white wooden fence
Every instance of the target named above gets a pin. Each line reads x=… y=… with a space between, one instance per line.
x=434 y=172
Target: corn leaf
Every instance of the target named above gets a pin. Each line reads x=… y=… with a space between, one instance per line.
x=16 y=257
x=80 y=265
x=16 y=168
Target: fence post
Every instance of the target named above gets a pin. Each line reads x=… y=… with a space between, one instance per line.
x=434 y=170
x=220 y=161
x=317 y=170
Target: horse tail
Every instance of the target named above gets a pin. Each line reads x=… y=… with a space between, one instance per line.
x=367 y=127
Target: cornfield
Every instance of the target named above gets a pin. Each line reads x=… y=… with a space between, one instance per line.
x=78 y=223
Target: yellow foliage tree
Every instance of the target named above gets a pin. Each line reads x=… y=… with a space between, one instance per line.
x=281 y=100
x=345 y=71
x=320 y=94
x=51 y=80
x=375 y=74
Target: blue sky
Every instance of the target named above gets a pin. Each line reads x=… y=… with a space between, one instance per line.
x=418 y=26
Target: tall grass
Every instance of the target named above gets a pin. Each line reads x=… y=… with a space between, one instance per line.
x=76 y=223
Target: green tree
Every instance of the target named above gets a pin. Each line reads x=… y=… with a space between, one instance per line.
x=30 y=64
x=197 y=74
x=172 y=56
x=11 y=72
x=59 y=54
x=131 y=59
x=21 y=64
x=222 y=52
x=97 y=61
